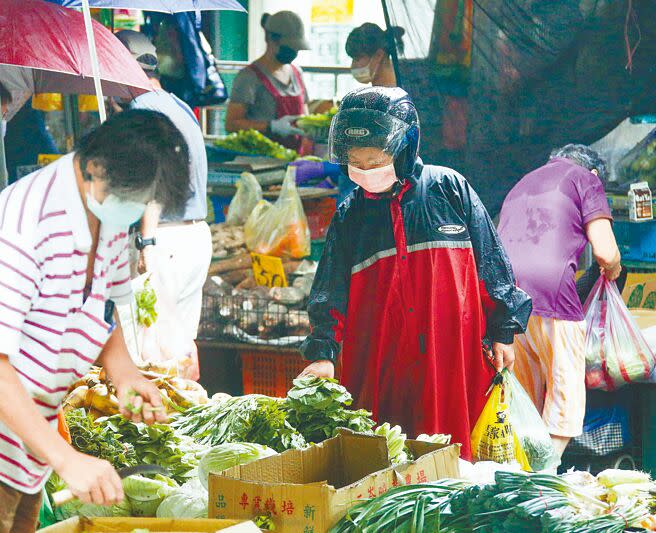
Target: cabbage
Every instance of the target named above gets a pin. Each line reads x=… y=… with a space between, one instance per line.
x=189 y=501
x=145 y=494
x=231 y=454
x=90 y=510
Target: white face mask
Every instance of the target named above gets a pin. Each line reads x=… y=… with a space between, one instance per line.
x=375 y=180
x=113 y=211
x=363 y=74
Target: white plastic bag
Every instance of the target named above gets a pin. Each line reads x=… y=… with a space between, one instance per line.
x=249 y=193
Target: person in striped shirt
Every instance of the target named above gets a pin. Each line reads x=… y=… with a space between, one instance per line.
x=63 y=264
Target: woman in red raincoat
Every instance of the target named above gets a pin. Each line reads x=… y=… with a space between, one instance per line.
x=413 y=281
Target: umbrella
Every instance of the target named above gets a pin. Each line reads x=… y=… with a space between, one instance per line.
x=167 y=6
x=43 y=48
x=164 y=6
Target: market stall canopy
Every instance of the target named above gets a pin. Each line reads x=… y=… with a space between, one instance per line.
x=43 y=48
x=164 y=6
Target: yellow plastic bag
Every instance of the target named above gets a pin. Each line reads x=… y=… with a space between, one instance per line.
x=493 y=438
x=280 y=229
x=87 y=103
x=47 y=102
x=508 y=423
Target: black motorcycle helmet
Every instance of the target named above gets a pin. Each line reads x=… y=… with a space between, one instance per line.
x=379 y=117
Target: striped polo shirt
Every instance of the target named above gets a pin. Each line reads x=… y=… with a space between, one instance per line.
x=50 y=332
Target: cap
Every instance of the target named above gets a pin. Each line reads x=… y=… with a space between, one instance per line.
x=140 y=47
x=290 y=28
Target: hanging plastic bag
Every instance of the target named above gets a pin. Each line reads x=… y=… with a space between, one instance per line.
x=510 y=429
x=533 y=445
x=280 y=229
x=249 y=193
x=492 y=438
x=616 y=353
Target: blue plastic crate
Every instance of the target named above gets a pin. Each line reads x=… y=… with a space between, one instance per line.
x=637 y=241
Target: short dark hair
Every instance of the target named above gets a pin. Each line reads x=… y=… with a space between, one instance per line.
x=141 y=150
x=585 y=156
x=5 y=95
x=367 y=39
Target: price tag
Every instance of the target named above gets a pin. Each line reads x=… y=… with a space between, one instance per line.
x=268 y=271
x=46 y=159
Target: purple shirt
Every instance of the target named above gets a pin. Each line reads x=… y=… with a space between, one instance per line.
x=542 y=227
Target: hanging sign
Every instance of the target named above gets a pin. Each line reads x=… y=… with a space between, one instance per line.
x=332 y=11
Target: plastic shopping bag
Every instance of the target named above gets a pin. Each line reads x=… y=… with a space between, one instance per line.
x=249 y=193
x=280 y=229
x=493 y=438
x=533 y=445
x=616 y=353
x=510 y=429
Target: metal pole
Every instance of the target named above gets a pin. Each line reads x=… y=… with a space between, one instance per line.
x=95 y=67
x=390 y=36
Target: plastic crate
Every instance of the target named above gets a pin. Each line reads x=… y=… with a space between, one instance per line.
x=270 y=372
x=636 y=241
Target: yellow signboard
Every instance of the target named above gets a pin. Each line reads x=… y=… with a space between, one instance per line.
x=268 y=271
x=46 y=159
x=332 y=11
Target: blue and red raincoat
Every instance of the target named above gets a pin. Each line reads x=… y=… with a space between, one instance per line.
x=408 y=289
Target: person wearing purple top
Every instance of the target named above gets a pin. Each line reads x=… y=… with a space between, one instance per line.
x=546 y=221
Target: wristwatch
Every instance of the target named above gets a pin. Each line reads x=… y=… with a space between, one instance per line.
x=141 y=243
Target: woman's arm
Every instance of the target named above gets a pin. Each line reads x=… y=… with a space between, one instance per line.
x=236 y=120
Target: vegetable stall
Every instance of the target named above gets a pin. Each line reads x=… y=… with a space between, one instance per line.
x=207 y=436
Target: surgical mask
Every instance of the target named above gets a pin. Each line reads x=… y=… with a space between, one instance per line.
x=113 y=211
x=286 y=55
x=375 y=180
x=363 y=74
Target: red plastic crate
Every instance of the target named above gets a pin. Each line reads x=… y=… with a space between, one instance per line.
x=319 y=213
x=270 y=373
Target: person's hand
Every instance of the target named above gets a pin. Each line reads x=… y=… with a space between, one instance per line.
x=91 y=480
x=502 y=356
x=611 y=274
x=140 y=400
x=320 y=369
x=284 y=127
x=146 y=260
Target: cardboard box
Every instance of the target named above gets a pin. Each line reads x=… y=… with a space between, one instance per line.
x=309 y=491
x=127 y=525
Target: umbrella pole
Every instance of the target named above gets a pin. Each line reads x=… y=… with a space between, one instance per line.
x=4 y=174
x=95 y=67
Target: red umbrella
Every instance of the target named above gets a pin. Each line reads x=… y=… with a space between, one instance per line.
x=44 y=48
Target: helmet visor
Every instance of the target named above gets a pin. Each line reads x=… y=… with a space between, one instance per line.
x=365 y=128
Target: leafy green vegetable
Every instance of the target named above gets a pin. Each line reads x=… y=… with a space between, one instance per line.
x=99 y=440
x=189 y=501
x=252 y=418
x=318 y=408
x=146 y=299
x=158 y=445
x=227 y=455
x=145 y=495
x=253 y=142
x=395 y=443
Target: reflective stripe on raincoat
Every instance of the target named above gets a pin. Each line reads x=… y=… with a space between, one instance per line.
x=407 y=291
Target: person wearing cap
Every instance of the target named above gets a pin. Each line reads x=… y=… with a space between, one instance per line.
x=269 y=95
x=176 y=249
x=413 y=282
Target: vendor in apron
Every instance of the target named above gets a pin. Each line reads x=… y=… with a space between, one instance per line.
x=269 y=95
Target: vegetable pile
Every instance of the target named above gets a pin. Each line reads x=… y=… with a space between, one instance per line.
x=317 y=126
x=516 y=502
x=255 y=143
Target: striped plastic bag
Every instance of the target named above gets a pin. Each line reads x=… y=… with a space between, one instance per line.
x=616 y=352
